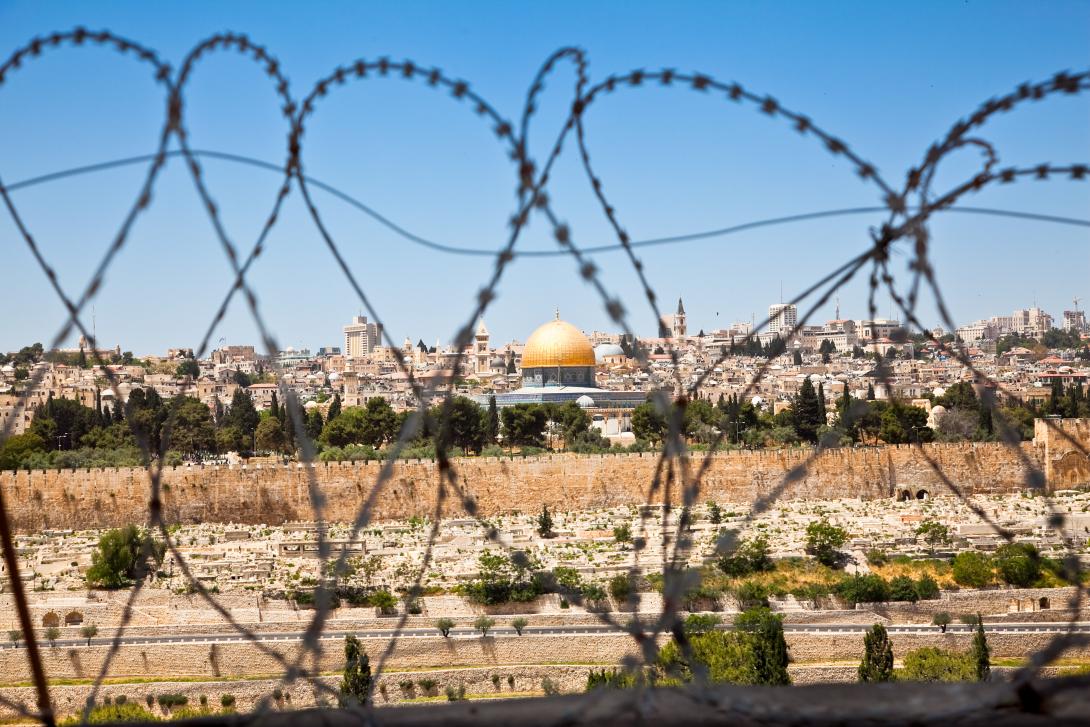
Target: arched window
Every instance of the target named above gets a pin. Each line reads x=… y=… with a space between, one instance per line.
x=51 y=619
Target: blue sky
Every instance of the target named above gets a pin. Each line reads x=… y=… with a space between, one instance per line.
x=889 y=78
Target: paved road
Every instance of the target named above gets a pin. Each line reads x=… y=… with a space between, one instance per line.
x=605 y=629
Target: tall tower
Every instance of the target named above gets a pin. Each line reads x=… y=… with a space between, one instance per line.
x=679 y=329
x=480 y=348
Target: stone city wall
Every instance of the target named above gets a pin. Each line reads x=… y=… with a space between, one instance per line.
x=248 y=660
x=271 y=494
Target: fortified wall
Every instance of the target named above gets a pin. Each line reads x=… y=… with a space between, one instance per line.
x=98 y=498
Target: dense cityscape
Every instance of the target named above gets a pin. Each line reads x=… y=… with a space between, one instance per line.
x=63 y=410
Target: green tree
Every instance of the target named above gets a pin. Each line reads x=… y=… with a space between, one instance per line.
x=122 y=555
x=927 y=588
x=62 y=423
x=877 y=664
x=484 y=624
x=980 y=653
x=492 y=421
x=620 y=586
x=52 y=633
x=545 y=523
x=942 y=620
x=1019 y=564
x=444 y=625
x=864 y=588
x=902 y=588
x=648 y=423
x=191 y=427
x=15 y=636
x=17 y=447
x=524 y=425
x=823 y=541
x=462 y=425
x=334 y=408
x=314 y=424
x=750 y=556
x=188 y=367
x=934 y=533
x=972 y=569
x=518 y=624
x=269 y=436
x=806 y=412
x=88 y=631
x=356 y=682
x=768 y=644
x=242 y=415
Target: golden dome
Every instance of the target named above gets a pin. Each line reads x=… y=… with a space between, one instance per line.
x=557 y=343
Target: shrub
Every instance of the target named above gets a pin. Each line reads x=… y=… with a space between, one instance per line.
x=166 y=701
x=620 y=587
x=511 y=681
x=149 y=699
x=701 y=623
x=622 y=533
x=927 y=588
x=204 y=700
x=972 y=569
x=750 y=556
x=121 y=699
x=930 y=664
x=877 y=557
x=902 y=588
x=427 y=685
x=870 y=588
x=384 y=601
x=593 y=594
x=496 y=681
x=406 y=686
x=1019 y=564
x=750 y=594
x=456 y=695
x=227 y=701
x=549 y=687
x=610 y=679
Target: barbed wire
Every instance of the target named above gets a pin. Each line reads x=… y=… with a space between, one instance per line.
x=678 y=474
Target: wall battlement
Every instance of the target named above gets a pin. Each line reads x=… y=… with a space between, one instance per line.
x=274 y=494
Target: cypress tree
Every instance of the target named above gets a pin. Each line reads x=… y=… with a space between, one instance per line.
x=870 y=392
x=334 y=408
x=806 y=412
x=769 y=646
x=356 y=683
x=274 y=407
x=492 y=421
x=877 y=664
x=822 y=414
x=980 y=652
x=314 y=424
